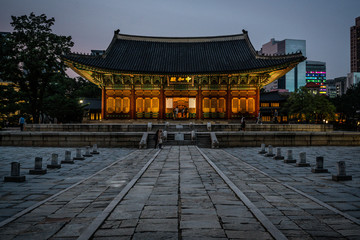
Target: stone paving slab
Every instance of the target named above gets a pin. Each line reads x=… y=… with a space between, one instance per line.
x=183 y=185
x=15 y=197
x=69 y=213
x=287 y=209
x=344 y=195
x=180 y=196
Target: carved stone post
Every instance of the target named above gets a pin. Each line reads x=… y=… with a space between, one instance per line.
x=15 y=174
x=319 y=166
x=38 y=170
x=341 y=176
x=54 y=161
x=68 y=159
x=270 y=153
x=302 y=161
x=262 y=151
x=278 y=154
x=289 y=157
x=78 y=155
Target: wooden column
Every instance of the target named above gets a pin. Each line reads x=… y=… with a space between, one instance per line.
x=133 y=103
x=228 y=103
x=199 y=104
x=103 y=103
x=162 y=103
x=257 y=102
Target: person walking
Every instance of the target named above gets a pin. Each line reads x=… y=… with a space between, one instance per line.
x=21 y=122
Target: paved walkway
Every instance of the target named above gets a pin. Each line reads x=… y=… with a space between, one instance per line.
x=179 y=195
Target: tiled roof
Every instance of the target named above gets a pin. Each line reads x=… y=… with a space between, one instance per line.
x=92 y=103
x=159 y=55
x=274 y=96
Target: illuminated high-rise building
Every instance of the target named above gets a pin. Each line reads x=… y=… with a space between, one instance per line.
x=316 y=73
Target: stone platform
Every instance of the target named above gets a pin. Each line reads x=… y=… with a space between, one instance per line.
x=203 y=139
x=198 y=125
x=180 y=192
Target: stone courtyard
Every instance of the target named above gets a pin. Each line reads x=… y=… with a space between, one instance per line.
x=180 y=192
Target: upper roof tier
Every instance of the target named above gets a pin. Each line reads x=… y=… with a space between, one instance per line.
x=194 y=55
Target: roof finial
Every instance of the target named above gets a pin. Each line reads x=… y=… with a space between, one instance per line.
x=244 y=31
x=117 y=31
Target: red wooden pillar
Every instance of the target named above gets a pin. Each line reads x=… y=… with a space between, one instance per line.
x=162 y=104
x=133 y=103
x=228 y=103
x=103 y=103
x=257 y=102
x=199 y=104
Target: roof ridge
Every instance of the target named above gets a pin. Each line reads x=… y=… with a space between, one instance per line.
x=179 y=39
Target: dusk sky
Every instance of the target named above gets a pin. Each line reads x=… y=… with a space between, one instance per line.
x=324 y=24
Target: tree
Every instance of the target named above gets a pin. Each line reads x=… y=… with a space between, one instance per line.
x=32 y=59
x=85 y=89
x=9 y=103
x=347 y=106
x=61 y=101
x=305 y=106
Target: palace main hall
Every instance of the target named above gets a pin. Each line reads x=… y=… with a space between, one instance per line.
x=217 y=77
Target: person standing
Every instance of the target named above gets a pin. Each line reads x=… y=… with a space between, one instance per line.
x=243 y=124
x=276 y=114
x=176 y=112
x=21 y=122
x=259 y=121
x=158 y=138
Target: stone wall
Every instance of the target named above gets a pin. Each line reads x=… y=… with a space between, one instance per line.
x=254 y=139
x=198 y=127
x=226 y=139
x=70 y=139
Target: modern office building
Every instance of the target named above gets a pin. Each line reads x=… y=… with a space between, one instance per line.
x=330 y=88
x=355 y=46
x=208 y=77
x=296 y=77
x=340 y=83
x=316 y=73
x=353 y=78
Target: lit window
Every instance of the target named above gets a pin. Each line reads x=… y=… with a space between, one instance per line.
x=126 y=105
x=110 y=104
x=139 y=105
x=147 y=105
x=206 y=105
x=242 y=105
x=155 y=105
x=118 y=105
x=235 y=104
x=251 y=105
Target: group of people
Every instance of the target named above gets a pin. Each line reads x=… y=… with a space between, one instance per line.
x=184 y=111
